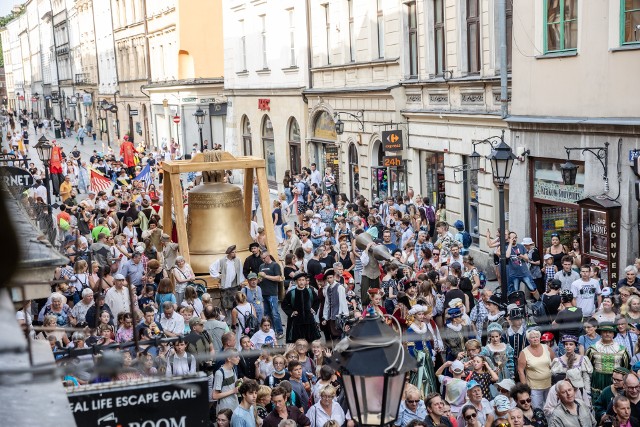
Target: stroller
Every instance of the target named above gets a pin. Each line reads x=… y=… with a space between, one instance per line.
x=518 y=299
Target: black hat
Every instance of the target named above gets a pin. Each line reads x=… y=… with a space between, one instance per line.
x=329 y=272
x=254 y=245
x=299 y=275
x=230 y=249
x=495 y=299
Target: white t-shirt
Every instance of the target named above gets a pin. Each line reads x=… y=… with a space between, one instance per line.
x=261 y=338
x=584 y=293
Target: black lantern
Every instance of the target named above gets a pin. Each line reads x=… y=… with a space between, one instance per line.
x=474 y=160
x=374 y=366
x=339 y=127
x=569 y=172
x=44 y=150
x=199 y=115
x=502 y=159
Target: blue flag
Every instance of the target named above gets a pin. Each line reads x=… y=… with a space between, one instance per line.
x=144 y=176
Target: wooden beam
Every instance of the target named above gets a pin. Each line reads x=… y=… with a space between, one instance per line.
x=265 y=204
x=181 y=225
x=167 y=224
x=248 y=195
x=188 y=166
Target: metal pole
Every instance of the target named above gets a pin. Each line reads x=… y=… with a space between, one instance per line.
x=48 y=180
x=201 y=144
x=502 y=34
x=178 y=134
x=503 y=244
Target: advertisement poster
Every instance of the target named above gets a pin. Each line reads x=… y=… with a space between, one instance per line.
x=596 y=233
x=180 y=402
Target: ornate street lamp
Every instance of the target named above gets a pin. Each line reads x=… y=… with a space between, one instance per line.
x=358 y=117
x=44 y=148
x=374 y=366
x=502 y=159
x=569 y=172
x=200 y=115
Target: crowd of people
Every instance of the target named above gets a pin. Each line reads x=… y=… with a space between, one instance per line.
x=568 y=356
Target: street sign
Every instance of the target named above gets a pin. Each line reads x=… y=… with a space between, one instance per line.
x=183 y=402
x=176 y=119
x=392 y=140
x=392 y=161
x=16 y=179
x=133 y=112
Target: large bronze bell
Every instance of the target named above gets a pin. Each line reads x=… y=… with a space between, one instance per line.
x=216 y=221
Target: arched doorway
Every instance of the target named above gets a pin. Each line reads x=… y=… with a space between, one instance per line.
x=323 y=149
x=294 y=146
x=247 y=150
x=354 y=171
x=269 y=150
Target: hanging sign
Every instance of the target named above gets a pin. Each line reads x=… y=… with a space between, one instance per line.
x=16 y=179
x=176 y=119
x=392 y=161
x=392 y=140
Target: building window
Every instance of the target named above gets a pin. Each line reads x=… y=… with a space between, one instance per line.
x=292 y=38
x=269 y=150
x=246 y=137
x=352 y=34
x=294 y=147
x=263 y=33
x=380 y=27
x=412 y=22
x=438 y=36
x=473 y=36
x=327 y=30
x=472 y=214
x=561 y=25
x=630 y=31
x=243 y=46
x=354 y=171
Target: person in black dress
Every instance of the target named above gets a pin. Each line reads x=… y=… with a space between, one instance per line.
x=300 y=305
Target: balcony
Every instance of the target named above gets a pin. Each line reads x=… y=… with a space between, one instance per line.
x=62 y=50
x=83 y=79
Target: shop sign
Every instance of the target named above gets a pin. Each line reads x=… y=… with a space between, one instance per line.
x=596 y=233
x=133 y=112
x=392 y=140
x=263 y=104
x=87 y=99
x=218 y=109
x=557 y=192
x=16 y=179
x=192 y=99
x=392 y=161
x=163 y=403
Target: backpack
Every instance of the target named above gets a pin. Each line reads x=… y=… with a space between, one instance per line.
x=430 y=214
x=64 y=225
x=189 y=359
x=483 y=279
x=466 y=239
x=539 y=312
x=305 y=190
x=251 y=323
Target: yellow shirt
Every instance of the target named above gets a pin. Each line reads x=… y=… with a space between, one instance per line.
x=65 y=190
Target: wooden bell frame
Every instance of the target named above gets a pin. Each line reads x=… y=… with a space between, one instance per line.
x=171 y=186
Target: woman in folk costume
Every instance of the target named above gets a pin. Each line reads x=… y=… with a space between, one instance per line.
x=375 y=302
x=128 y=154
x=423 y=342
x=455 y=334
x=55 y=168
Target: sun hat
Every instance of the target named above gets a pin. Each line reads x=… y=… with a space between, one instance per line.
x=473 y=383
x=506 y=384
x=527 y=241
x=457 y=367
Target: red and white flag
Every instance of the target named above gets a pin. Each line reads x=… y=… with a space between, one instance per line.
x=100 y=182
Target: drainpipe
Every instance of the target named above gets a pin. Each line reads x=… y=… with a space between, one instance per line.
x=502 y=34
x=309 y=58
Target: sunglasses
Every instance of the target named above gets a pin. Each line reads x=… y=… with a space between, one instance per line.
x=413 y=402
x=523 y=401
x=468 y=417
